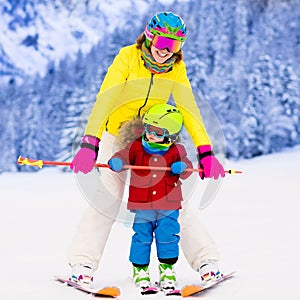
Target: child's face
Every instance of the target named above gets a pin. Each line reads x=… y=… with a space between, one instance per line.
x=155 y=134
x=154 y=139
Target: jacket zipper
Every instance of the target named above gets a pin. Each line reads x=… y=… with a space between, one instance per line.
x=146 y=100
x=148 y=93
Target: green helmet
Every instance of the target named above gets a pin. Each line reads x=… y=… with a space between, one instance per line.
x=164 y=116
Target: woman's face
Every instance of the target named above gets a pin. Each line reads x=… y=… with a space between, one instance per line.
x=160 y=56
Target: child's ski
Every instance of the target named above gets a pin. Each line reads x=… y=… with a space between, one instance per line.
x=192 y=290
x=155 y=290
x=108 y=291
x=174 y=292
x=149 y=290
x=171 y=291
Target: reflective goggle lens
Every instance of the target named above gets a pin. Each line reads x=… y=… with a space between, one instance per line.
x=157 y=131
x=162 y=42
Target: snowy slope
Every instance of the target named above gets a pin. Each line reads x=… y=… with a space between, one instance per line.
x=254 y=219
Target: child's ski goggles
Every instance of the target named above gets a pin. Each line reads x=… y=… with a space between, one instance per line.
x=161 y=42
x=156 y=131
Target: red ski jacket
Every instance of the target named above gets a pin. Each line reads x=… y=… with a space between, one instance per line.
x=154 y=189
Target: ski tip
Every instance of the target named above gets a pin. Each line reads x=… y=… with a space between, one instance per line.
x=111 y=291
x=60 y=278
x=108 y=291
x=190 y=290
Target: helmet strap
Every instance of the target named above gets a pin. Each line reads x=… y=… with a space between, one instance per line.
x=170 y=138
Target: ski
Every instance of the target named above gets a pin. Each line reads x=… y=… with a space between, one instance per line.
x=171 y=291
x=193 y=290
x=155 y=290
x=149 y=290
x=108 y=291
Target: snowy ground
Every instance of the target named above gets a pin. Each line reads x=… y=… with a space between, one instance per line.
x=254 y=219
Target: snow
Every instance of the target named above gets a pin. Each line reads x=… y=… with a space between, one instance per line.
x=254 y=218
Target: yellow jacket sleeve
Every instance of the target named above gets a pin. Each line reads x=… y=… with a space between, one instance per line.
x=185 y=101
x=110 y=90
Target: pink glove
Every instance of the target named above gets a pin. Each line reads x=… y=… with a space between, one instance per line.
x=209 y=163
x=86 y=157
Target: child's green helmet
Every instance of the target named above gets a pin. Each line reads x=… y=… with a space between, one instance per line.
x=164 y=116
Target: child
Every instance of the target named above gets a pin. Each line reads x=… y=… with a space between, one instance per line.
x=155 y=196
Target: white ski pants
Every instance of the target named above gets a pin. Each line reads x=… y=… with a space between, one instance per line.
x=95 y=226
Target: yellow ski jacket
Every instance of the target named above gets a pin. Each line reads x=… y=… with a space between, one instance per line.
x=129 y=90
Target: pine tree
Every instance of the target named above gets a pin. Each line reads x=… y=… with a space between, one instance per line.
x=8 y=127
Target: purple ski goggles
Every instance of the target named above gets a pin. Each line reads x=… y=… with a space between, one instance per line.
x=162 y=42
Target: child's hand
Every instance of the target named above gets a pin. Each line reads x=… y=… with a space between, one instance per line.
x=178 y=167
x=116 y=164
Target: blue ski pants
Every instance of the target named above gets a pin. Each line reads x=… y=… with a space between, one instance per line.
x=161 y=224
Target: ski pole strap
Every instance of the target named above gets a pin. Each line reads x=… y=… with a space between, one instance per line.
x=90 y=146
x=204 y=154
x=90 y=142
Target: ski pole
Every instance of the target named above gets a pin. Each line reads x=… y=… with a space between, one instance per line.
x=40 y=163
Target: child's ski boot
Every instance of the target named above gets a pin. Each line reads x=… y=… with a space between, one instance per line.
x=141 y=277
x=167 y=277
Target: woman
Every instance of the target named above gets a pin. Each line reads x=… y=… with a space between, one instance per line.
x=141 y=75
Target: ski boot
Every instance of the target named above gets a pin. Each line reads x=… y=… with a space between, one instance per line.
x=167 y=277
x=209 y=271
x=82 y=274
x=141 y=277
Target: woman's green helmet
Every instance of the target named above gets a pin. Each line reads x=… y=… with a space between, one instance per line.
x=164 y=116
